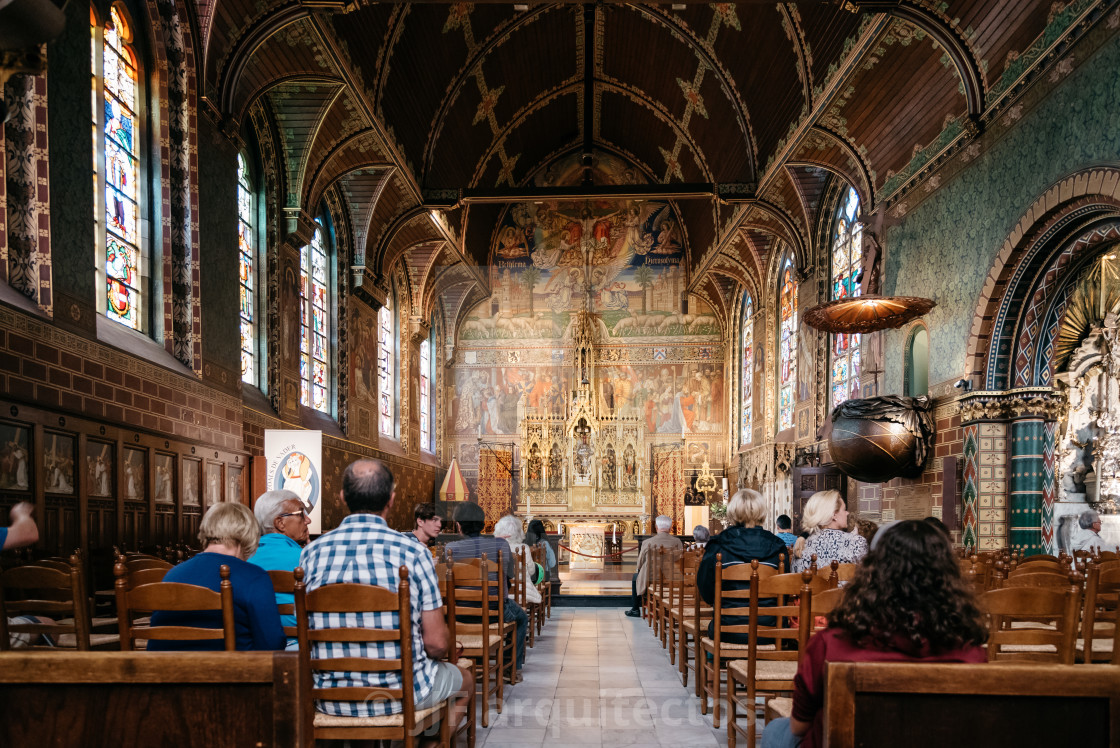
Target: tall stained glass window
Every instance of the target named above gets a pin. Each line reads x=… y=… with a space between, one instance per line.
x=116 y=149
x=846 y=251
x=314 y=362
x=426 y=394
x=787 y=344
x=747 y=415
x=385 y=369
x=245 y=258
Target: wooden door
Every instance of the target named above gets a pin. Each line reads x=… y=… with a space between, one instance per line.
x=807 y=481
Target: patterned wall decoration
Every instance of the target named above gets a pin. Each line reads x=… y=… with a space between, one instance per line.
x=1049 y=486
x=964 y=223
x=362 y=365
x=25 y=249
x=669 y=483
x=1026 y=483
x=495 y=481
x=991 y=511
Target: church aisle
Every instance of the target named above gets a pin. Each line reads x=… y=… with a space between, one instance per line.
x=597 y=678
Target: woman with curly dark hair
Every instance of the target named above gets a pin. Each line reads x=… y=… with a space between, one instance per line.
x=907 y=603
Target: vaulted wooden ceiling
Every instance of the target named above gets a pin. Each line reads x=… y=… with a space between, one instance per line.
x=750 y=108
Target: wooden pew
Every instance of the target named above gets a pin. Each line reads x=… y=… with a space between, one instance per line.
x=873 y=704
x=144 y=699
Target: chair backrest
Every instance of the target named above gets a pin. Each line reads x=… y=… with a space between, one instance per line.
x=475 y=596
x=175 y=597
x=987 y=704
x=823 y=603
x=139 y=564
x=447 y=593
x=1031 y=605
x=145 y=576
x=836 y=572
x=792 y=614
x=349 y=598
x=732 y=596
x=46 y=592
x=1039 y=557
x=1038 y=579
x=1034 y=567
x=284 y=583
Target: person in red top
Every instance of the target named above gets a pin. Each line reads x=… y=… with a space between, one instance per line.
x=907 y=603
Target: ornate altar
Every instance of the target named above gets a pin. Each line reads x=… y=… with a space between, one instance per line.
x=589 y=540
x=584 y=461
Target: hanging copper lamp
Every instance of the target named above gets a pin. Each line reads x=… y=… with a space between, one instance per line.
x=861 y=314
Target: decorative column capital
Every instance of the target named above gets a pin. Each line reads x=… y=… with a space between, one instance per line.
x=1008 y=405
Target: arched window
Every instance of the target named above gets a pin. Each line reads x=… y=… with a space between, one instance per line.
x=787 y=343
x=385 y=359
x=426 y=393
x=122 y=270
x=314 y=291
x=747 y=416
x=846 y=249
x=246 y=256
x=917 y=363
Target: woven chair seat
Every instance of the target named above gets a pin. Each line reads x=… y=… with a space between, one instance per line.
x=765 y=669
x=70 y=641
x=1026 y=648
x=389 y=720
x=710 y=643
x=475 y=642
x=1099 y=645
x=781 y=706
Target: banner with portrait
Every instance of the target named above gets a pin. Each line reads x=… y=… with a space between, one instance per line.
x=295 y=463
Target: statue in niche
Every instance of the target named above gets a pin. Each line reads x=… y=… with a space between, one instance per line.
x=583 y=456
x=629 y=468
x=534 y=467
x=555 y=467
x=870 y=261
x=1087 y=384
x=610 y=467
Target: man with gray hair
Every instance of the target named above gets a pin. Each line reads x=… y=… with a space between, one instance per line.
x=284 y=522
x=663 y=539
x=1089 y=537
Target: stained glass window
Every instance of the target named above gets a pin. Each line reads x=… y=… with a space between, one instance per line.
x=846 y=250
x=787 y=344
x=747 y=415
x=385 y=369
x=426 y=395
x=314 y=361
x=116 y=148
x=246 y=266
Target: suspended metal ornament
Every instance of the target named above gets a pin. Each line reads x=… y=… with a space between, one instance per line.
x=862 y=314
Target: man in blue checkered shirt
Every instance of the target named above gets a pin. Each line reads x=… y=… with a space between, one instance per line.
x=364 y=550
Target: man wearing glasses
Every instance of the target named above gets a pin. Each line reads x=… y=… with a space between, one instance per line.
x=284 y=524
x=428 y=524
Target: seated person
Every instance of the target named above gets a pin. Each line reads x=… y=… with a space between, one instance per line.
x=640 y=581
x=428 y=524
x=508 y=528
x=21 y=533
x=907 y=603
x=785 y=524
x=470 y=520
x=284 y=524
x=826 y=519
x=744 y=541
x=700 y=536
x=229 y=534
x=365 y=550
x=1089 y=538
x=536 y=536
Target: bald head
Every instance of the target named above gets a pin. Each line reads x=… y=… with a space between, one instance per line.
x=367 y=486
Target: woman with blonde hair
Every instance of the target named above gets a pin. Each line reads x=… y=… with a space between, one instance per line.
x=229 y=534
x=744 y=541
x=826 y=520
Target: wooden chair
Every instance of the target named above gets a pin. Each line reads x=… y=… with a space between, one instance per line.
x=1006 y=607
x=540 y=556
x=447 y=593
x=284 y=583
x=970 y=704
x=474 y=592
x=716 y=651
x=770 y=667
x=139 y=564
x=535 y=611
x=653 y=562
x=684 y=591
x=55 y=598
x=1100 y=617
x=836 y=573
x=368 y=600
x=173 y=596
x=669 y=579
x=695 y=624
x=498 y=623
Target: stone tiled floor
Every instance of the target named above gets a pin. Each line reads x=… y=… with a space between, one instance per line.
x=599 y=679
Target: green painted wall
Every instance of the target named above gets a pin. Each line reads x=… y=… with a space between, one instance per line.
x=945 y=247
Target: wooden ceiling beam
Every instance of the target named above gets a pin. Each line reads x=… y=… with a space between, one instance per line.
x=727 y=193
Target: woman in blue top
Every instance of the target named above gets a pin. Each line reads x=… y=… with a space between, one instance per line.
x=229 y=534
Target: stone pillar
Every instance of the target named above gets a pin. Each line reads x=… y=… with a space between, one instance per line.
x=1025 y=499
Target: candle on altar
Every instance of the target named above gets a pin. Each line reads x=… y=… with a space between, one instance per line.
x=612 y=533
